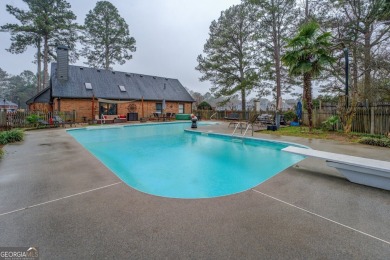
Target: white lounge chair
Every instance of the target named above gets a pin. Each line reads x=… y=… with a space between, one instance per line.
x=370 y=172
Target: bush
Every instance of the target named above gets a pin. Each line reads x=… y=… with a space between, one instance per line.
x=383 y=142
x=11 y=136
x=289 y=116
x=1 y=153
x=33 y=119
x=330 y=123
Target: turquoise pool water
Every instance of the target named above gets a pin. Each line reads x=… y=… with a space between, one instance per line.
x=165 y=160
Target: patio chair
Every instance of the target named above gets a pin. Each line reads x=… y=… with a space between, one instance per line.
x=59 y=121
x=234 y=119
x=43 y=123
x=252 y=122
x=232 y=116
x=155 y=117
x=168 y=116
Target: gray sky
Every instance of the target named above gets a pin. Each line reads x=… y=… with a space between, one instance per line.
x=170 y=34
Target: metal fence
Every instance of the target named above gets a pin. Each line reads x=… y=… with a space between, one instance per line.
x=23 y=119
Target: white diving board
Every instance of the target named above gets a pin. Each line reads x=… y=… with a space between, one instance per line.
x=370 y=172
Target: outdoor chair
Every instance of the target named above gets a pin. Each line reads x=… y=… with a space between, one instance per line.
x=266 y=119
x=44 y=123
x=232 y=116
x=254 y=122
x=169 y=116
x=234 y=119
x=59 y=121
x=155 y=117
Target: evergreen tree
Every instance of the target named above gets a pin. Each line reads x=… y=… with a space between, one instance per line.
x=44 y=22
x=277 y=21
x=3 y=83
x=229 y=61
x=21 y=87
x=106 y=37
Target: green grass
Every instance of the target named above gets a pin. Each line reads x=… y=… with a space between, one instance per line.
x=376 y=140
x=303 y=131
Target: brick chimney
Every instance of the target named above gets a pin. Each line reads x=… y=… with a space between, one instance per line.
x=62 y=63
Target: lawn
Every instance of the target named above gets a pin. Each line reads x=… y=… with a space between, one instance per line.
x=303 y=131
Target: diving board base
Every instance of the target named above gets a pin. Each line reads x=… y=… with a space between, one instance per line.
x=364 y=176
x=369 y=172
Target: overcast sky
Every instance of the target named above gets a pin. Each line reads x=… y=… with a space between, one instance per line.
x=170 y=34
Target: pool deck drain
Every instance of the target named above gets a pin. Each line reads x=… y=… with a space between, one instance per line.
x=90 y=216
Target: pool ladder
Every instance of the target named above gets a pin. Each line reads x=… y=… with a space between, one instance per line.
x=239 y=124
x=213 y=115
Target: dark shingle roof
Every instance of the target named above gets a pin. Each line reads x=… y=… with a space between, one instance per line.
x=42 y=97
x=105 y=84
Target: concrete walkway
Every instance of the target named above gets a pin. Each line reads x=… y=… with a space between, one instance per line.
x=55 y=195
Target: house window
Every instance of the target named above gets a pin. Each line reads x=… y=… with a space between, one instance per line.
x=108 y=109
x=181 y=108
x=159 y=107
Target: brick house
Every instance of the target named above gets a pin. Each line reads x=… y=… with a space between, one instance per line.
x=91 y=92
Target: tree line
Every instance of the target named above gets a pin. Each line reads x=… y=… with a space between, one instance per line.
x=275 y=46
x=46 y=24
x=17 y=88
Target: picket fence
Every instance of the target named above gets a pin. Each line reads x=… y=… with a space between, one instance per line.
x=19 y=119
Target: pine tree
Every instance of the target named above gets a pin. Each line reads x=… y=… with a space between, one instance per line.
x=277 y=21
x=106 y=37
x=44 y=22
x=229 y=61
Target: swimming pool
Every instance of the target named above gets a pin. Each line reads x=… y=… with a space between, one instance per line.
x=165 y=160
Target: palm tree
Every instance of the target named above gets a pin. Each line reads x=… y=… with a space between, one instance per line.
x=307 y=54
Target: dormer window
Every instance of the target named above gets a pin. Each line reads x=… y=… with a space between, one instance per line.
x=122 y=88
x=88 y=86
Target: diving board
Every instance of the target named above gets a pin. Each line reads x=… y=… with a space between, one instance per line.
x=370 y=172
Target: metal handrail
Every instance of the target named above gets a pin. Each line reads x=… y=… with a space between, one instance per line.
x=213 y=115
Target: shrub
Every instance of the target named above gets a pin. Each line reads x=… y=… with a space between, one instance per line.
x=32 y=119
x=11 y=136
x=1 y=153
x=289 y=116
x=383 y=142
x=330 y=123
x=3 y=138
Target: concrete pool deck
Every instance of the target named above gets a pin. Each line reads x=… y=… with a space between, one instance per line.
x=55 y=195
